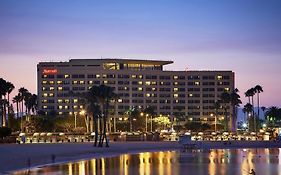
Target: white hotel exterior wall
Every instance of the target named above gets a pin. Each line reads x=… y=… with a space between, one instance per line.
x=196 y=91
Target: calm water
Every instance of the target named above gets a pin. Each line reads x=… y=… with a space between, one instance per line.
x=196 y=162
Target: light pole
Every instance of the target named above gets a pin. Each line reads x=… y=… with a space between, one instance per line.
x=75 y=120
x=215 y=121
x=151 y=123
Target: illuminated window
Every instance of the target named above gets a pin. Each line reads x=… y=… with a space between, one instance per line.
x=44 y=82
x=134 y=76
x=59 y=100
x=75 y=100
x=44 y=101
x=45 y=107
x=104 y=76
x=45 y=76
x=60 y=113
x=125 y=88
x=65 y=107
x=51 y=82
x=176 y=95
x=140 y=76
x=75 y=82
x=45 y=95
x=153 y=89
x=147 y=83
x=90 y=82
x=176 y=89
x=120 y=100
x=70 y=113
x=60 y=88
x=43 y=88
x=147 y=95
x=66 y=76
x=60 y=107
x=75 y=107
x=219 y=77
x=59 y=82
x=51 y=94
x=140 y=89
x=81 y=106
x=190 y=95
x=176 y=77
x=111 y=66
x=97 y=76
x=175 y=83
x=197 y=83
x=226 y=89
x=105 y=82
x=81 y=82
x=140 y=82
x=153 y=83
x=66 y=100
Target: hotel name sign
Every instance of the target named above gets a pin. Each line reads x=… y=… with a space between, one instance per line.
x=50 y=71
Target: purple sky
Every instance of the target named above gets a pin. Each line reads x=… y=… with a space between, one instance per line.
x=241 y=35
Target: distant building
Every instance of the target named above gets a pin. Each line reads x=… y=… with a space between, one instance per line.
x=137 y=82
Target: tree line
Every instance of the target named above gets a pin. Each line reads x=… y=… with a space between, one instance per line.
x=23 y=99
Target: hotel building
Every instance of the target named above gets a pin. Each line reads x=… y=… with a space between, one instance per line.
x=139 y=83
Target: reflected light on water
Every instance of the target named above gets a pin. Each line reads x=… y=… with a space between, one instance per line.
x=192 y=162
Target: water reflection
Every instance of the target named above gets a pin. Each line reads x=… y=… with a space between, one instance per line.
x=212 y=162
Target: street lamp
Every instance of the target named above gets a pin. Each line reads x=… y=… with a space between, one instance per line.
x=215 y=121
x=83 y=112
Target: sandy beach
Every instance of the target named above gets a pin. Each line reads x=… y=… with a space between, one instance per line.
x=15 y=156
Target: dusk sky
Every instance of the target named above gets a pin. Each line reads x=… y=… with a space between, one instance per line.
x=239 y=35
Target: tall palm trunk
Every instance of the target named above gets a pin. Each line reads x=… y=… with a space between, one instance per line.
x=4 y=113
x=96 y=129
x=258 y=96
x=253 y=113
x=100 y=133
x=226 y=120
x=17 y=109
x=104 y=123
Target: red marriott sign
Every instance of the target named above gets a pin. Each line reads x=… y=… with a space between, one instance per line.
x=50 y=71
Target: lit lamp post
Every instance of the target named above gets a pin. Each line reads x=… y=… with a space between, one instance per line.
x=75 y=119
x=215 y=121
x=83 y=112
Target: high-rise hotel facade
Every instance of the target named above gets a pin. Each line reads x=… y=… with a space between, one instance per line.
x=139 y=83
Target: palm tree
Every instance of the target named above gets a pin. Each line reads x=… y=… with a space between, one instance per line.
x=258 y=90
x=22 y=92
x=10 y=88
x=17 y=100
x=273 y=114
x=248 y=108
x=225 y=99
x=3 y=92
x=132 y=113
x=217 y=106
x=250 y=93
x=151 y=112
x=107 y=94
x=235 y=103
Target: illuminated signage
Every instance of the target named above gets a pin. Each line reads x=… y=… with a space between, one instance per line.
x=50 y=71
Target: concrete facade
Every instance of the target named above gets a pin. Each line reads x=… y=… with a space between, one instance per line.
x=139 y=83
